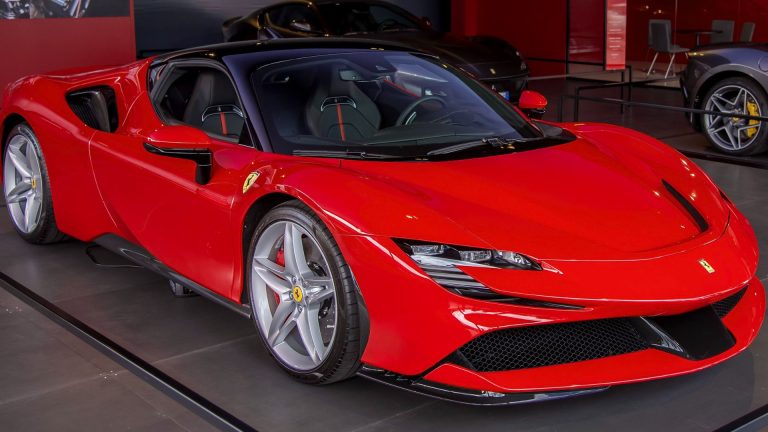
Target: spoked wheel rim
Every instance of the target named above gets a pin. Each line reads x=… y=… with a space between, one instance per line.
x=732 y=133
x=294 y=295
x=23 y=183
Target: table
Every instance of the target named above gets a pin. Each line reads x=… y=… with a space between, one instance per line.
x=698 y=33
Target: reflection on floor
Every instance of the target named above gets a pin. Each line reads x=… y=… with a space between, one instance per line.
x=51 y=381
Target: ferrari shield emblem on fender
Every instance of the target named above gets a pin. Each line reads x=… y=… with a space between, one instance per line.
x=706 y=266
x=250 y=180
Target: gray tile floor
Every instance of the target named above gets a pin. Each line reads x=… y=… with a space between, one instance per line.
x=50 y=380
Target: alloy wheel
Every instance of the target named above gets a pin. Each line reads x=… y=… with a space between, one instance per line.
x=23 y=183
x=733 y=133
x=294 y=295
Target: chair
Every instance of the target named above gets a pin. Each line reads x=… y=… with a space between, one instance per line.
x=662 y=44
x=666 y=22
x=724 y=31
x=747 y=31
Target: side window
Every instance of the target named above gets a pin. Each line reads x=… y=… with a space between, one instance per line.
x=203 y=98
x=295 y=17
x=386 y=18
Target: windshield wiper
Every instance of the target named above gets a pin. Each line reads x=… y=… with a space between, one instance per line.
x=344 y=154
x=496 y=142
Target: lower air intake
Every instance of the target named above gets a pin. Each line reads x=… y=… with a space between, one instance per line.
x=726 y=305
x=553 y=344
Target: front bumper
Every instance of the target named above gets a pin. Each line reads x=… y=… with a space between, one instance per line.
x=743 y=322
x=417 y=327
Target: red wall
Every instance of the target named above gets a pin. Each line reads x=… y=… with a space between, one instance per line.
x=535 y=28
x=587 y=40
x=43 y=45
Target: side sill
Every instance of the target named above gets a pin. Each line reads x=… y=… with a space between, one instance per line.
x=142 y=257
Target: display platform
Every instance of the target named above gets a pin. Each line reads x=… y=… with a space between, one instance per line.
x=217 y=354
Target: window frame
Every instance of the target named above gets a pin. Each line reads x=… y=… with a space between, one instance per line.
x=159 y=78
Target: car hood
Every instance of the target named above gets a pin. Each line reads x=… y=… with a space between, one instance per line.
x=472 y=56
x=599 y=197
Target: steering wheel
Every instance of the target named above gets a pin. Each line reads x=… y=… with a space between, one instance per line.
x=405 y=116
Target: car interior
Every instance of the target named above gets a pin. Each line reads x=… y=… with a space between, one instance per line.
x=370 y=102
x=204 y=98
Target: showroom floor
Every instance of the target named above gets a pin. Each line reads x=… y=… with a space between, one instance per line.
x=50 y=380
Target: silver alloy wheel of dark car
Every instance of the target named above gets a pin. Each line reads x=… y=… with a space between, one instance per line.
x=294 y=295
x=732 y=134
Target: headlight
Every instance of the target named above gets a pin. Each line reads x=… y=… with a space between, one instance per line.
x=443 y=255
x=439 y=261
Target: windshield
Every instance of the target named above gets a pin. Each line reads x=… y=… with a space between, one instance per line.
x=383 y=102
x=350 y=18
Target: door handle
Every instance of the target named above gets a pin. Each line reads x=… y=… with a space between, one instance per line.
x=202 y=157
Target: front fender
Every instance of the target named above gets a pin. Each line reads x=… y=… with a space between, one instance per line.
x=350 y=203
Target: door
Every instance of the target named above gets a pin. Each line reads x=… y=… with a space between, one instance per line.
x=157 y=201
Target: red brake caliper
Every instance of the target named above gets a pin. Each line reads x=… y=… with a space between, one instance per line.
x=279 y=260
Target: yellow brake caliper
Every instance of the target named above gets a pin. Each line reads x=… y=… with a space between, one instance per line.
x=753 y=110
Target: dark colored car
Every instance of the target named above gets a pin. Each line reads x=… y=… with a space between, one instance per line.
x=732 y=79
x=489 y=59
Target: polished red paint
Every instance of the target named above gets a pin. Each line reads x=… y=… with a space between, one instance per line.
x=592 y=211
x=532 y=100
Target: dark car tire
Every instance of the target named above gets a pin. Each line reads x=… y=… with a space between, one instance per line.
x=758 y=143
x=45 y=230
x=345 y=350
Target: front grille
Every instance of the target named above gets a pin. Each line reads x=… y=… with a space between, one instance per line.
x=546 y=345
x=726 y=305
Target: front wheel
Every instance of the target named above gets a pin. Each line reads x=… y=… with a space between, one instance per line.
x=303 y=296
x=734 y=135
x=27 y=188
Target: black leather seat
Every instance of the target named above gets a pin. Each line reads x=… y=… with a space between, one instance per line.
x=213 y=106
x=339 y=109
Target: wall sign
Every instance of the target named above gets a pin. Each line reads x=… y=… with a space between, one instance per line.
x=615 y=34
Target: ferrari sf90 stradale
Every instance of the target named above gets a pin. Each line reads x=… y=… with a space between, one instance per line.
x=378 y=212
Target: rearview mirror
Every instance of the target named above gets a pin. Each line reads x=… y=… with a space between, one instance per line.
x=533 y=104
x=183 y=142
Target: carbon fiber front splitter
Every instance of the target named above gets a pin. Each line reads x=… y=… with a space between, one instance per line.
x=465 y=396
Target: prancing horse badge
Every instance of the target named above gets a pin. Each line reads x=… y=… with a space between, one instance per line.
x=250 y=180
x=706 y=266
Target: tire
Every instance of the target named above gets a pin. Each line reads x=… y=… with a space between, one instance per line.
x=341 y=357
x=736 y=95
x=31 y=211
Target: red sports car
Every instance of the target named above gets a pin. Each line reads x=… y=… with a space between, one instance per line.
x=378 y=212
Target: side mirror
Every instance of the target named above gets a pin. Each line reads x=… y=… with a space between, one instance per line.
x=183 y=142
x=533 y=104
x=427 y=22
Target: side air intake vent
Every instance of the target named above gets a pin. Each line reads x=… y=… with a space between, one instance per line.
x=96 y=107
x=697 y=217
